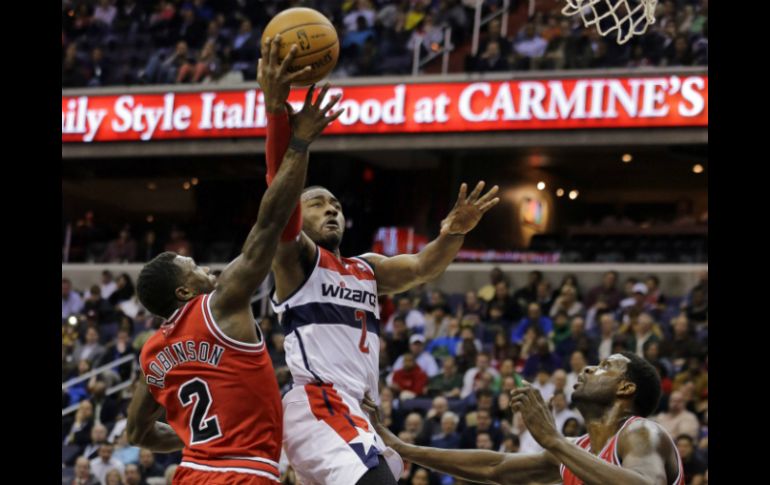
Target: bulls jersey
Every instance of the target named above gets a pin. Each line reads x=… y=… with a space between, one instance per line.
x=332 y=326
x=220 y=395
x=610 y=454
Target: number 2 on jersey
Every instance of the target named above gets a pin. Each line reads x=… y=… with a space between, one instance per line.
x=202 y=429
x=361 y=317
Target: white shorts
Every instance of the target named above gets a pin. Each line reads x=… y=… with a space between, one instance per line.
x=328 y=438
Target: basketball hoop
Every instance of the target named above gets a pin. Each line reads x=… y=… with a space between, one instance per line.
x=626 y=17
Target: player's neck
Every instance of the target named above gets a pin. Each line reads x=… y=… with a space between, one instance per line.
x=603 y=423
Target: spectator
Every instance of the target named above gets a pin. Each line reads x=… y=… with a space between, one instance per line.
x=134 y=475
x=98 y=438
x=104 y=13
x=97 y=306
x=567 y=302
x=105 y=407
x=415 y=321
x=487 y=292
x=244 y=55
x=83 y=475
x=491 y=59
x=206 y=66
x=113 y=477
x=130 y=17
x=409 y=381
x=655 y=298
x=635 y=304
x=162 y=69
x=474 y=374
x=505 y=302
x=483 y=424
x=423 y=358
x=108 y=285
x=694 y=466
x=437 y=321
x=191 y=29
x=472 y=305
x=448 y=344
x=572 y=428
x=643 y=332
x=543 y=384
x=681 y=54
x=527 y=294
x=105 y=462
x=510 y=444
x=609 y=289
x=120 y=250
x=124 y=452
x=363 y=10
x=528 y=45
x=561 y=413
x=682 y=345
x=100 y=69
x=577 y=362
x=147 y=465
x=448 y=383
x=169 y=474
x=71 y=302
x=148 y=247
x=125 y=290
x=577 y=340
x=432 y=423
x=544 y=297
x=608 y=328
x=534 y=319
x=398 y=340
x=117 y=350
x=447 y=436
x=543 y=359
x=698 y=309
x=91 y=351
x=678 y=420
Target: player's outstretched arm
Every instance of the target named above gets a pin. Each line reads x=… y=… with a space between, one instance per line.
x=480 y=466
x=143 y=426
x=405 y=271
x=641 y=446
x=241 y=278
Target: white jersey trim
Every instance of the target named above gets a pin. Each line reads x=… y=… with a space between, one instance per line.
x=252 y=458
x=206 y=468
x=208 y=318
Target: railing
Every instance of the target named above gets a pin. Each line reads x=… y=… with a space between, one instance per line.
x=479 y=22
x=101 y=370
x=444 y=50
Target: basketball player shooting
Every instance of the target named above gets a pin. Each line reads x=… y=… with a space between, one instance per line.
x=208 y=366
x=330 y=315
x=621 y=447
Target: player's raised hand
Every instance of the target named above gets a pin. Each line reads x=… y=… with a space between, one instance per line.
x=314 y=116
x=536 y=415
x=468 y=209
x=273 y=76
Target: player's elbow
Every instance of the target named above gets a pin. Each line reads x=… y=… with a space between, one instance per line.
x=133 y=432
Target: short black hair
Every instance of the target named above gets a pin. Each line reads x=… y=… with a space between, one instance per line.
x=313 y=187
x=157 y=284
x=686 y=437
x=647 y=381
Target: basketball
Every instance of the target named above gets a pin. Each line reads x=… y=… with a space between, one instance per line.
x=316 y=40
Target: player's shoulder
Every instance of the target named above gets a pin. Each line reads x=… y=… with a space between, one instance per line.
x=643 y=433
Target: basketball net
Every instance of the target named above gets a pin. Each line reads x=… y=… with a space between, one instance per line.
x=626 y=17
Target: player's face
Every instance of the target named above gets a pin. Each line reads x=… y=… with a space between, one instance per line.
x=599 y=383
x=197 y=278
x=322 y=218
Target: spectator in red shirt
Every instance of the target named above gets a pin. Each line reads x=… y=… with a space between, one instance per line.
x=410 y=380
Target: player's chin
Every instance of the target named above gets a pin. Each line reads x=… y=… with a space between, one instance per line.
x=331 y=240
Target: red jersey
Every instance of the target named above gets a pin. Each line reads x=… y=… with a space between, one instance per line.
x=220 y=395
x=610 y=454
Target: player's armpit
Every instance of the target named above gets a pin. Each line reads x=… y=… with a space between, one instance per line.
x=291 y=265
x=142 y=423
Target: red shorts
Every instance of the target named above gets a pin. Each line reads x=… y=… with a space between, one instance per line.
x=189 y=476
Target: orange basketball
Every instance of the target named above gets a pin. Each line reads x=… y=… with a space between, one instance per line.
x=316 y=39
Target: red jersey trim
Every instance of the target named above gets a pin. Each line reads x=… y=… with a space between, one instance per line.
x=346 y=267
x=224 y=339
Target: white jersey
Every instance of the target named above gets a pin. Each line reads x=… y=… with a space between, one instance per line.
x=332 y=326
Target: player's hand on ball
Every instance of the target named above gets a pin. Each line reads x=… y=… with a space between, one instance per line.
x=274 y=77
x=468 y=210
x=308 y=123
